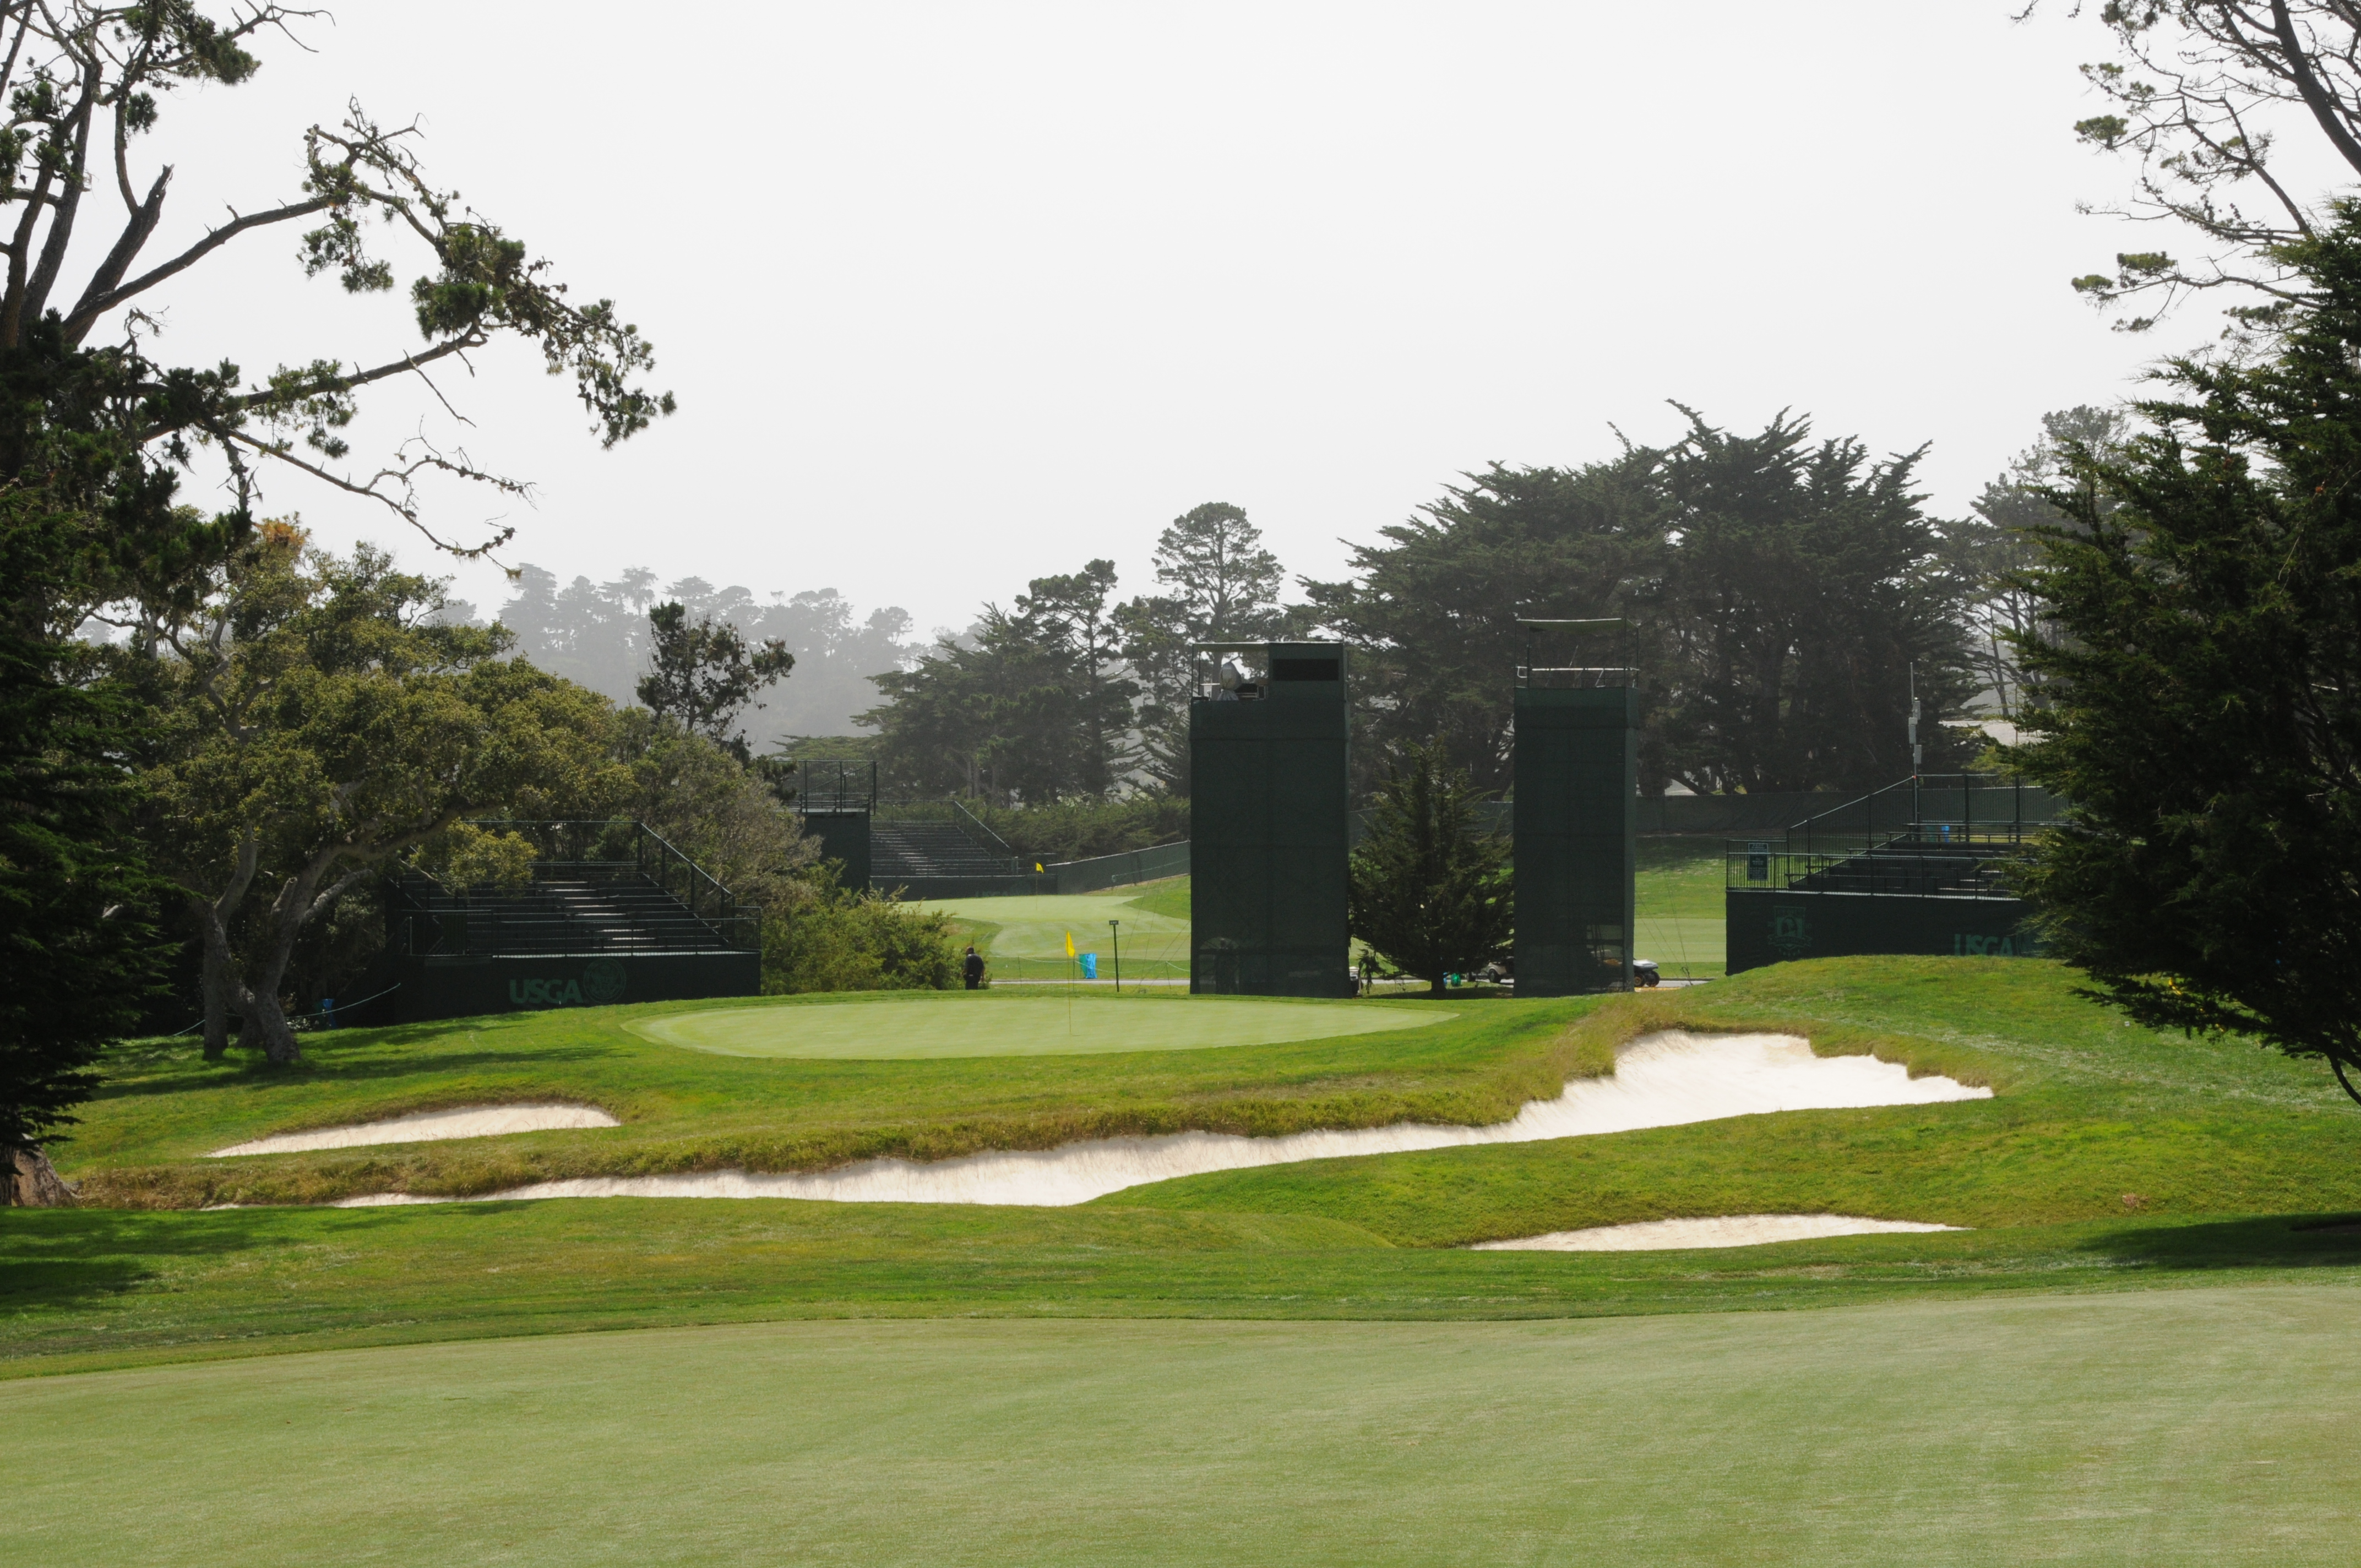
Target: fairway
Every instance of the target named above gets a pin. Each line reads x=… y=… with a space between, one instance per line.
x=1025 y=938
x=1027 y=1028
x=2165 y=1426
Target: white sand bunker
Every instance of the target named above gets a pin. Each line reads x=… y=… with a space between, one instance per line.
x=1728 y=1230
x=430 y=1126
x=1662 y=1080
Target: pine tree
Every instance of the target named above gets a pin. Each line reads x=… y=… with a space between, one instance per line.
x=2200 y=670
x=1429 y=893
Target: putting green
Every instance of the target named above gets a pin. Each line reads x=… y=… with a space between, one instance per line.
x=872 y=1031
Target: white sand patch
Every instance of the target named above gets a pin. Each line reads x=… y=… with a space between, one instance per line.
x=1728 y=1230
x=430 y=1126
x=1662 y=1080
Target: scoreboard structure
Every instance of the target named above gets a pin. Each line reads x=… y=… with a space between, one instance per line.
x=1269 y=822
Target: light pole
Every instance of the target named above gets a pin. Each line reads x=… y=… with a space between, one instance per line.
x=1115 y=936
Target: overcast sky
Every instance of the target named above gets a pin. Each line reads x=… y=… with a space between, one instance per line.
x=957 y=295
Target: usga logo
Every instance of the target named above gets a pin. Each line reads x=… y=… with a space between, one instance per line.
x=603 y=981
x=546 y=992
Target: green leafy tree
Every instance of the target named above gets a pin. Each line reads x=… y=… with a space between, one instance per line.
x=2200 y=661
x=830 y=937
x=718 y=811
x=1993 y=550
x=78 y=952
x=96 y=431
x=1428 y=893
x=703 y=674
x=1029 y=705
x=2203 y=94
x=1432 y=610
x=317 y=722
x=1805 y=586
x=1220 y=585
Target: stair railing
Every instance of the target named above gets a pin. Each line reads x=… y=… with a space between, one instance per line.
x=710 y=902
x=975 y=825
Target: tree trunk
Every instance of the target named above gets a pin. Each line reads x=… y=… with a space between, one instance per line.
x=218 y=982
x=267 y=1028
x=1436 y=988
x=27 y=1180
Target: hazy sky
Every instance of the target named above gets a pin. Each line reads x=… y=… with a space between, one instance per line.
x=956 y=295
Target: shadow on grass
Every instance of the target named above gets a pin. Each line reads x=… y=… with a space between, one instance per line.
x=2280 y=1241
x=63 y=1257
x=259 y=1073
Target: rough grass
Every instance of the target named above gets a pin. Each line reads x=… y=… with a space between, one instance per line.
x=1170 y=897
x=89 y=1288
x=2092 y=1119
x=2111 y=1155
x=162 y=1108
x=2191 y=1427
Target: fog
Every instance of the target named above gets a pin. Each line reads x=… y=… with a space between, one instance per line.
x=953 y=296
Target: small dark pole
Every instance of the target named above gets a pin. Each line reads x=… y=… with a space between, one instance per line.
x=1114 y=935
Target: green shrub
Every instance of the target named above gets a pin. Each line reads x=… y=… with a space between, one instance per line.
x=837 y=938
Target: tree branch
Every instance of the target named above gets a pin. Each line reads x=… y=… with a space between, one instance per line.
x=87 y=313
x=2323 y=108
x=110 y=272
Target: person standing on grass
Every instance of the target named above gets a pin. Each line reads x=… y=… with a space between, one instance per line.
x=1368 y=971
x=972 y=967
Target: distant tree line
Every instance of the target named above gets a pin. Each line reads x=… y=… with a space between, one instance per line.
x=599 y=635
x=1782 y=598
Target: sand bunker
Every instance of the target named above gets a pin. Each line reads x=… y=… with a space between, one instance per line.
x=430 y=1126
x=1662 y=1080
x=1728 y=1230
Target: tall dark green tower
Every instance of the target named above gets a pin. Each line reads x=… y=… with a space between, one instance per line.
x=1578 y=786
x=1268 y=828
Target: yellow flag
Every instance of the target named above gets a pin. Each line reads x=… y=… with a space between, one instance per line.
x=1070 y=944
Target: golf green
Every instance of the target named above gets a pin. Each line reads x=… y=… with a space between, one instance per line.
x=2199 y=1426
x=868 y=1031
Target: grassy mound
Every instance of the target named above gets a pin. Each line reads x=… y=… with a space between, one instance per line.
x=2110 y=1157
x=163 y=1109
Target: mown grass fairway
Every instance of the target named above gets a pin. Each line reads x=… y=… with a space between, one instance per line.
x=1025 y=938
x=2199 y=1426
x=1677 y=896
x=853 y=1031
x=2136 y=1354
x=1677 y=903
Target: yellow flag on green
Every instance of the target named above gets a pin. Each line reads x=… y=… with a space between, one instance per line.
x=1070 y=944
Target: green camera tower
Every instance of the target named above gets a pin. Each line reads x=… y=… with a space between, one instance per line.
x=1578 y=786
x=1268 y=826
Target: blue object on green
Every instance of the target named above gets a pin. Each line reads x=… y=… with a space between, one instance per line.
x=1090 y=966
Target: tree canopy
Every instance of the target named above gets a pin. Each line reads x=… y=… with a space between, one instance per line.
x=2200 y=670
x=97 y=430
x=1218 y=584
x=702 y=674
x=1030 y=704
x=1778 y=592
x=1429 y=893
x=318 y=722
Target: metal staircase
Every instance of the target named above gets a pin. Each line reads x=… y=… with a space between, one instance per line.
x=622 y=890
x=912 y=851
